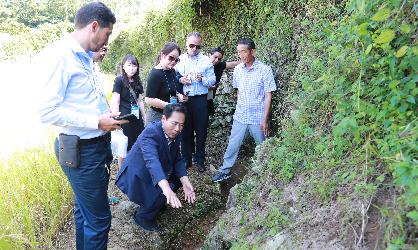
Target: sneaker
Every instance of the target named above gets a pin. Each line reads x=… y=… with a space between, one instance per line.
x=219 y=176
x=146 y=225
x=200 y=167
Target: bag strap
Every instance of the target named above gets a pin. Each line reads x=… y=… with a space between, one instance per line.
x=133 y=93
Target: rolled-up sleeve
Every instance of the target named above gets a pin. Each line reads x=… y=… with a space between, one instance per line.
x=268 y=80
x=209 y=78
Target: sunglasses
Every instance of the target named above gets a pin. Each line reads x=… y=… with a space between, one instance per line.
x=173 y=59
x=194 y=45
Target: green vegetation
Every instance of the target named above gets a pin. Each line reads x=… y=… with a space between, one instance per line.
x=29 y=25
x=36 y=198
x=344 y=119
x=345 y=115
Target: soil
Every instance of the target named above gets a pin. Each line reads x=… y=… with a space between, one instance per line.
x=184 y=228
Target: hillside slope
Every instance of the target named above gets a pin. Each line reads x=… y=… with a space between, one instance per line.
x=341 y=170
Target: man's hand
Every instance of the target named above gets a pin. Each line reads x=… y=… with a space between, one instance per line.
x=265 y=127
x=107 y=123
x=189 y=194
x=172 y=199
x=185 y=81
x=182 y=98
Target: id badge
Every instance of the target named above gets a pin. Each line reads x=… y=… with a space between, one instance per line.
x=135 y=110
x=173 y=100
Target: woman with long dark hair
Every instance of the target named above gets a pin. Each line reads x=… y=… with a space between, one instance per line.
x=163 y=86
x=127 y=99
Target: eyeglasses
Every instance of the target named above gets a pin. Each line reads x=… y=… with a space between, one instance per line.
x=195 y=45
x=173 y=59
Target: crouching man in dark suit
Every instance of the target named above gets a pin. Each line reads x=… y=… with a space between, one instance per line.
x=154 y=168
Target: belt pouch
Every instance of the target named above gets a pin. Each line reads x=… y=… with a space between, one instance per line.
x=69 y=150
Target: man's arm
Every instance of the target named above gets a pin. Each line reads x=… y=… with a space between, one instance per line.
x=231 y=65
x=209 y=78
x=52 y=93
x=269 y=87
x=150 y=141
x=264 y=121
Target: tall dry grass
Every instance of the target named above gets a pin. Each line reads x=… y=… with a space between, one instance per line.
x=35 y=198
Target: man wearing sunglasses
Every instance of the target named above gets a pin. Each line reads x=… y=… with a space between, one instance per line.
x=197 y=75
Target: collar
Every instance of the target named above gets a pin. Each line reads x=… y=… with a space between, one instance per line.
x=169 y=140
x=76 y=47
x=254 y=66
x=195 y=57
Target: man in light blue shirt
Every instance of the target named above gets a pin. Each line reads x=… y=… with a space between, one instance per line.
x=255 y=82
x=197 y=76
x=72 y=99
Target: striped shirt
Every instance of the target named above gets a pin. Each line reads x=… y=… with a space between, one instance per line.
x=190 y=65
x=70 y=96
x=252 y=85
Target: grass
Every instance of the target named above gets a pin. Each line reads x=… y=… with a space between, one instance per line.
x=35 y=198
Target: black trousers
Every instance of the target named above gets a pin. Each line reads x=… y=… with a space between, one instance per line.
x=196 y=124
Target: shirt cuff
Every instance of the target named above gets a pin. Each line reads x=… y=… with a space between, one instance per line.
x=92 y=122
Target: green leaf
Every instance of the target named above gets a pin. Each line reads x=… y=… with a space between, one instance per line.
x=405 y=29
x=381 y=15
x=368 y=49
x=411 y=99
x=413 y=215
x=415 y=50
x=393 y=84
x=348 y=123
x=362 y=29
x=381 y=178
x=402 y=51
x=385 y=37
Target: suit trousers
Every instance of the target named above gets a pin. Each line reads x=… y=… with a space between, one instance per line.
x=91 y=207
x=196 y=123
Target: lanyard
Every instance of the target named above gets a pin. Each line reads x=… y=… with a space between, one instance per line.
x=92 y=77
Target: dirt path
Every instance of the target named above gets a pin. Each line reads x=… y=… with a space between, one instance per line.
x=183 y=228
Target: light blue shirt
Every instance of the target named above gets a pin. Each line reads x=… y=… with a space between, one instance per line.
x=252 y=85
x=190 y=65
x=70 y=96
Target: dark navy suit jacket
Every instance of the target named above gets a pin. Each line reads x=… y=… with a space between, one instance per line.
x=148 y=162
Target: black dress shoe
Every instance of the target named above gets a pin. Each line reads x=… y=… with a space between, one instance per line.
x=146 y=225
x=201 y=167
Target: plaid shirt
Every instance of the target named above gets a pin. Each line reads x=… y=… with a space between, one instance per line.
x=252 y=85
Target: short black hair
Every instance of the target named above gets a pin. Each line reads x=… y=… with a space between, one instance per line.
x=171 y=108
x=247 y=41
x=95 y=11
x=217 y=49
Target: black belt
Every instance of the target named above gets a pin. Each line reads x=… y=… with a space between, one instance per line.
x=198 y=95
x=102 y=138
